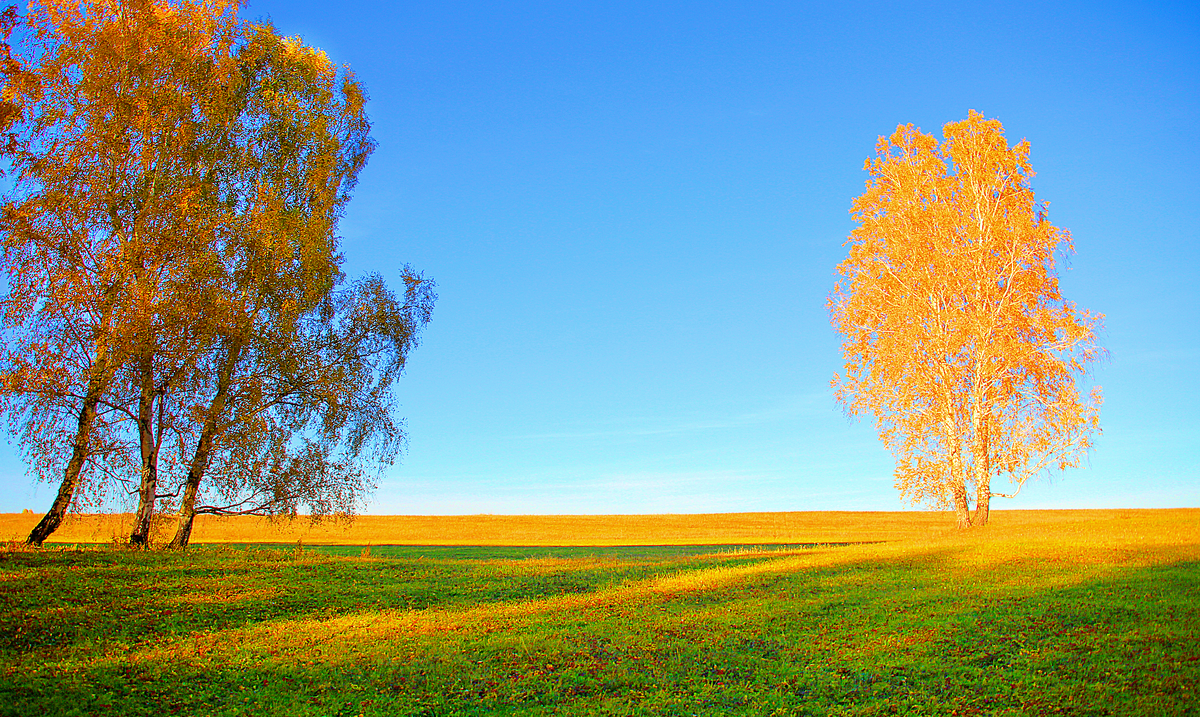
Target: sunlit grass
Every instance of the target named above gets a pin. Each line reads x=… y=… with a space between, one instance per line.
x=1096 y=614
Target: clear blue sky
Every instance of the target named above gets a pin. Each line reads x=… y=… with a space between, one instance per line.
x=634 y=210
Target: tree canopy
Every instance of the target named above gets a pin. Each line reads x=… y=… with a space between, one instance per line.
x=956 y=337
x=172 y=264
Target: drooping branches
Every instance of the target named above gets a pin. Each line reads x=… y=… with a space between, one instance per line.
x=106 y=229
x=172 y=264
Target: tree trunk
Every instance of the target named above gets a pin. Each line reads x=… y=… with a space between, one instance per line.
x=983 y=475
x=983 y=494
x=957 y=482
x=958 y=486
x=962 y=511
x=187 y=508
x=97 y=385
x=66 y=490
x=983 y=505
x=147 y=490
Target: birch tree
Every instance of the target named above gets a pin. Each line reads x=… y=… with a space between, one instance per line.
x=300 y=410
x=173 y=277
x=105 y=229
x=308 y=419
x=956 y=337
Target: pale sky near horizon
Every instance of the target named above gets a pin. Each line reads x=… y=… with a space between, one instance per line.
x=633 y=212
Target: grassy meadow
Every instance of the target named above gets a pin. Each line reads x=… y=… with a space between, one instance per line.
x=1043 y=612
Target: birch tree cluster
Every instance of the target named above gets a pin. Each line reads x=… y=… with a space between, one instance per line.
x=176 y=330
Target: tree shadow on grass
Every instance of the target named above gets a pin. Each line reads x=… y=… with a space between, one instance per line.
x=59 y=600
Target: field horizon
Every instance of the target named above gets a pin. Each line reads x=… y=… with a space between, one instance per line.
x=741 y=528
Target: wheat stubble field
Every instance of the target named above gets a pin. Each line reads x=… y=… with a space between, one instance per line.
x=1043 y=612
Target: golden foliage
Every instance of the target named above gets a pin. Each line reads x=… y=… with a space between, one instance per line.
x=173 y=309
x=956 y=337
x=107 y=222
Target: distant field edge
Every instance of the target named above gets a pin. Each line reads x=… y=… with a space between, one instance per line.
x=707 y=529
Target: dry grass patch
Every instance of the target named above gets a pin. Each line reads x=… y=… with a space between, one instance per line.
x=605 y=530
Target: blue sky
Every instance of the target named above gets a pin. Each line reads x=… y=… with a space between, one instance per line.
x=633 y=212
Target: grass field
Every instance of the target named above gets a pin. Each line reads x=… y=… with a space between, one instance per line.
x=1079 y=612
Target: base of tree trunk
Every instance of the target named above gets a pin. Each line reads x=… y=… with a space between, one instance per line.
x=47 y=525
x=184 y=534
x=58 y=510
x=983 y=501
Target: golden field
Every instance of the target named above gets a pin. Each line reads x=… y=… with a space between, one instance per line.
x=608 y=530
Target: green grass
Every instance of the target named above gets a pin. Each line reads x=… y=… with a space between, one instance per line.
x=969 y=625
x=525 y=552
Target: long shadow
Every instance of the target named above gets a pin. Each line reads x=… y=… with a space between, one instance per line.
x=1123 y=641
x=63 y=599
x=602 y=552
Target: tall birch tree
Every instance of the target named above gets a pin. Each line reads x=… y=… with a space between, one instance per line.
x=173 y=268
x=106 y=227
x=956 y=337
x=297 y=410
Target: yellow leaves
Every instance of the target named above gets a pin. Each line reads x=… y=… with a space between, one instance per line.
x=135 y=238
x=312 y=59
x=955 y=335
